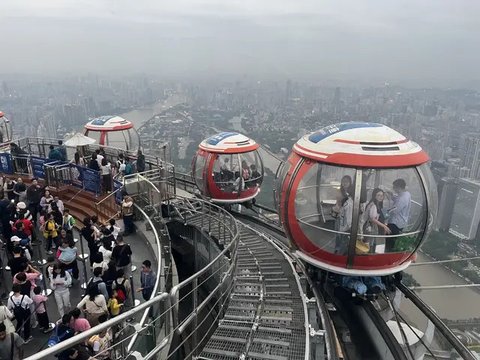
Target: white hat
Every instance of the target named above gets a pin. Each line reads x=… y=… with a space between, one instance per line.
x=21 y=205
x=15 y=238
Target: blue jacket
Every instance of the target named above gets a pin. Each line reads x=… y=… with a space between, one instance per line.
x=147 y=281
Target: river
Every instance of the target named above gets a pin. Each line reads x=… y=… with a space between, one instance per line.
x=453 y=304
x=140 y=116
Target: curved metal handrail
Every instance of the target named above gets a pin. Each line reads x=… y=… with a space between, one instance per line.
x=302 y=221
x=77 y=339
x=144 y=317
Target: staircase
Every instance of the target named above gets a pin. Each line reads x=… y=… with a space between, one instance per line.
x=81 y=203
x=264 y=319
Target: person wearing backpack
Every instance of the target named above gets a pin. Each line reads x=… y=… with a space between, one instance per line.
x=122 y=255
x=20 y=306
x=68 y=221
x=60 y=282
x=98 y=282
x=11 y=344
x=124 y=289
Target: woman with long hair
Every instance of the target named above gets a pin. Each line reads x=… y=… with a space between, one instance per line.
x=374 y=220
x=343 y=212
x=60 y=282
x=94 y=304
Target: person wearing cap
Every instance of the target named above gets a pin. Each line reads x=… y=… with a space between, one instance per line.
x=34 y=195
x=22 y=212
x=24 y=249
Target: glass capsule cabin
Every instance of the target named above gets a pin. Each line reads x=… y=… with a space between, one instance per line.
x=357 y=207
x=113 y=131
x=228 y=168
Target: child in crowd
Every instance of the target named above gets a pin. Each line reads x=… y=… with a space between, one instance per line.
x=114 y=305
x=39 y=301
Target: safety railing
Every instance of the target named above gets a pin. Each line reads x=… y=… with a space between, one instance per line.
x=108 y=207
x=160 y=320
x=185 y=182
x=215 y=279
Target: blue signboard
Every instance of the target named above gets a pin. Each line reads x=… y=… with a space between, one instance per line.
x=6 y=164
x=214 y=140
x=118 y=195
x=37 y=166
x=334 y=129
x=91 y=180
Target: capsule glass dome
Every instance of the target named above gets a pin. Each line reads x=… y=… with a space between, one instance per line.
x=357 y=199
x=113 y=131
x=227 y=168
x=5 y=129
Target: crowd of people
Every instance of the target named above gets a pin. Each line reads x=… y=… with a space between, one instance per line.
x=376 y=224
x=230 y=177
x=31 y=214
x=98 y=161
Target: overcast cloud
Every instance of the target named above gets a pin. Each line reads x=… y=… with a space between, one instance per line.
x=420 y=42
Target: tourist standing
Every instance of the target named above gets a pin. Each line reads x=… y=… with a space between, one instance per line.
x=147 y=280
x=60 y=282
x=127 y=213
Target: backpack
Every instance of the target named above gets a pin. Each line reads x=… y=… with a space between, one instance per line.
x=93 y=284
x=69 y=224
x=128 y=169
x=18 y=310
x=121 y=291
x=55 y=338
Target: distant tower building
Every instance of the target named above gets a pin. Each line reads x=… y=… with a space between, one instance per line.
x=466 y=211
x=448 y=193
x=471 y=155
x=337 y=101
x=288 y=91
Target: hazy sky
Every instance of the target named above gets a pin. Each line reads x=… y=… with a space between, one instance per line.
x=395 y=40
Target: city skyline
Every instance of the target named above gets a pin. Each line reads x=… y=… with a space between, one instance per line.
x=429 y=43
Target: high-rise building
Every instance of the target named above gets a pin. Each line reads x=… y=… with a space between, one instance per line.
x=448 y=188
x=471 y=155
x=466 y=211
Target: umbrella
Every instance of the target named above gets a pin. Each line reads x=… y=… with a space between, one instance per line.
x=79 y=140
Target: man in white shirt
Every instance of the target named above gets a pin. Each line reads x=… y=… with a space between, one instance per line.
x=99 y=158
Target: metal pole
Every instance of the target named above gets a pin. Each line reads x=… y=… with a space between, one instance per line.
x=195 y=303
x=83 y=257
x=132 y=287
x=439 y=324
